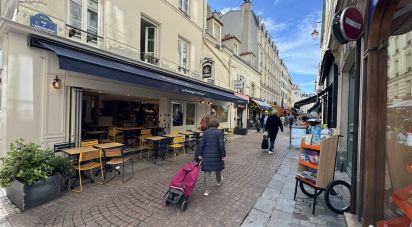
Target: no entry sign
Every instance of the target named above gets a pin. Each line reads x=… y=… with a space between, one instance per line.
x=351 y=23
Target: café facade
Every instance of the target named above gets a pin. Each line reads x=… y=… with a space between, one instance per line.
x=54 y=89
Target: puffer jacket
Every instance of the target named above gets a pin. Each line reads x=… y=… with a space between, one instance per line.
x=212 y=149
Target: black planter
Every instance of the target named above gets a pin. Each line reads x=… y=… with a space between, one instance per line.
x=240 y=131
x=26 y=197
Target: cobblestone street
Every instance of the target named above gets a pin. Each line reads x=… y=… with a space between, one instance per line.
x=139 y=202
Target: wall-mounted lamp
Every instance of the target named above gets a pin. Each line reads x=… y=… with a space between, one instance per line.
x=209 y=103
x=202 y=101
x=57 y=83
x=315 y=33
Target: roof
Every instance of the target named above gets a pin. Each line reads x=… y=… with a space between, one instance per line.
x=217 y=20
x=227 y=37
x=247 y=53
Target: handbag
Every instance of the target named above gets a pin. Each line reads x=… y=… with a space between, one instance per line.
x=265 y=143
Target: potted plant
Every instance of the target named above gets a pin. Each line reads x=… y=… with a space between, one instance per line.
x=240 y=131
x=33 y=176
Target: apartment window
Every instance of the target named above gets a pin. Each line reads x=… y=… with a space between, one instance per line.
x=148 y=41
x=78 y=10
x=253 y=89
x=408 y=62
x=236 y=49
x=184 y=6
x=216 y=31
x=183 y=48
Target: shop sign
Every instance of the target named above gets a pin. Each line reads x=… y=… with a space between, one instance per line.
x=207 y=68
x=192 y=92
x=43 y=22
x=351 y=23
x=239 y=84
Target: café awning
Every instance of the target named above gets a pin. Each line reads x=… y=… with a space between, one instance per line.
x=306 y=101
x=80 y=60
x=262 y=104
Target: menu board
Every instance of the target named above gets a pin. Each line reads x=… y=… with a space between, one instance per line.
x=296 y=135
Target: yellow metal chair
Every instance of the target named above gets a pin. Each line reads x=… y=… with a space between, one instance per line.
x=88 y=161
x=114 y=135
x=175 y=132
x=117 y=157
x=89 y=143
x=178 y=143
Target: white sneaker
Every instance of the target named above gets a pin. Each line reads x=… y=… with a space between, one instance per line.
x=270 y=152
x=221 y=181
x=207 y=192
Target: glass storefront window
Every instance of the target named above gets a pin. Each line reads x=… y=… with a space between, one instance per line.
x=190 y=113
x=177 y=113
x=222 y=112
x=398 y=176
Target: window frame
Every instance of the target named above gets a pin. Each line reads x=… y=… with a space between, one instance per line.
x=183 y=68
x=82 y=36
x=187 y=10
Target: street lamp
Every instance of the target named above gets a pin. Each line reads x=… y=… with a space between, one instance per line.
x=315 y=33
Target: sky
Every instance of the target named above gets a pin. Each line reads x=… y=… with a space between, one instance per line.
x=290 y=23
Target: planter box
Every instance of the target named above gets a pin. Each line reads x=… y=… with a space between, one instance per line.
x=26 y=197
x=240 y=131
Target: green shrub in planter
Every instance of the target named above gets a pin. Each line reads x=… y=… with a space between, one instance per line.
x=27 y=167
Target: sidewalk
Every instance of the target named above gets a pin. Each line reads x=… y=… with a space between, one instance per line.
x=139 y=202
x=276 y=207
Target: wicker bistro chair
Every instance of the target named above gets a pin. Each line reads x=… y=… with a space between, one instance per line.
x=89 y=161
x=117 y=157
x=178 y=143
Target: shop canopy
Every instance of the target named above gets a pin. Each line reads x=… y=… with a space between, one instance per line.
x=83 y=61
x=262 y=104
x=315 y=108
x=312 y=99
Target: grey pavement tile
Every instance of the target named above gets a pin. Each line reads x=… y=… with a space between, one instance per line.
x=265 y=205
x=256 y=218
x=285 y=205
x=270 y=194
x=276 y=185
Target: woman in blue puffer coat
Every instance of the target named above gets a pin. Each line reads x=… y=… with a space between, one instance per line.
x=211 y=151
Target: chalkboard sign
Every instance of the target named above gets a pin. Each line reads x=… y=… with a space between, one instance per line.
x=296 y=134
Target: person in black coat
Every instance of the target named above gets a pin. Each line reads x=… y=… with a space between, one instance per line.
x=272 y=127
x=211 y=150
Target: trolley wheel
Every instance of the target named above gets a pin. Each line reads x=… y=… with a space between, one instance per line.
x=338 y=196
x=308 y=191
x=184 y=205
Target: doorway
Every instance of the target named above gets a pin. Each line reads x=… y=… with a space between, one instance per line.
x=351 y=116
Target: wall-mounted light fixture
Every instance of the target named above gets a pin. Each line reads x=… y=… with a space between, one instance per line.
x=315 y=33
x=209 y=103
x=57 y=83
x=202 y=101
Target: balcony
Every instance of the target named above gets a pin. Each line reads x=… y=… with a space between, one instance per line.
x=90 y=36
x=149 y=59
x=182 y=69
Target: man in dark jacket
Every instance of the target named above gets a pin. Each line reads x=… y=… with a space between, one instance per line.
x=272 y=127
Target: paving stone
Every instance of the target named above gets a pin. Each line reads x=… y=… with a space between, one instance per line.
x=265 y=205
x=256 y=218
x=285 y=205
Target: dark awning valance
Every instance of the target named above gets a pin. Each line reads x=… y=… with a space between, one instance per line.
x=315 y=108
x=83 y=61
x=327 y=62
x=306 y=101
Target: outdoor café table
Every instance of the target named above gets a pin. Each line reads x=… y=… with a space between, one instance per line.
x=189 y=139
x=170 y=135
x=74 y=152
x=187 y=133
x=103 y=147
x=129 y=132
x=156 y=140
x=99 y=134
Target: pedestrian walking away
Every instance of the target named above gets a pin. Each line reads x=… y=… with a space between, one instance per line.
x=211 y=151
x=272 y=127
x=264 y=119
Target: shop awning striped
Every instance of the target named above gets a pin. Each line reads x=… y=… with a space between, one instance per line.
x=80 y=60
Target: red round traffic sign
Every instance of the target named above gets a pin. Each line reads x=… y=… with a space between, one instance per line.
x=351 y=23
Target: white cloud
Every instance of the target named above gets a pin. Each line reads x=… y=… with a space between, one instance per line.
x=300 y=52
x=227 y=9
x=276 y=2
x=259 y=12
x=272 y=26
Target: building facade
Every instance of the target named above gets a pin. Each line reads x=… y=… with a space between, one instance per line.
x=259 y=50
x=372 y=77
x=67 y=64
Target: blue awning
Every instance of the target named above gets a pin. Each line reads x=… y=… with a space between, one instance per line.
x=80 y=60
x=262 y=104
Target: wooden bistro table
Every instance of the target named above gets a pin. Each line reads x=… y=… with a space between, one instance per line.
x=97 y=134
x=171 y=135
x=129 y=132
x=103 y=147
x=155 y=140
